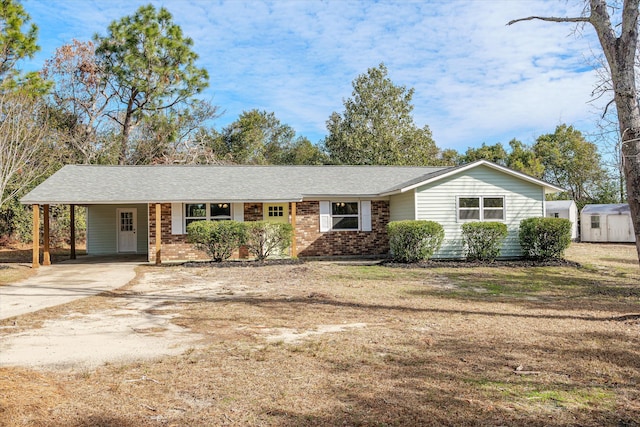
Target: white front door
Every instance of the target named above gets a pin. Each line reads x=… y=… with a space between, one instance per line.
x=127 y=225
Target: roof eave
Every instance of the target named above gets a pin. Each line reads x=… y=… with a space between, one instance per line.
x=309 y=197
x=130 y=202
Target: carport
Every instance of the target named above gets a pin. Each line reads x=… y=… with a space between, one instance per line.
x=124 y=220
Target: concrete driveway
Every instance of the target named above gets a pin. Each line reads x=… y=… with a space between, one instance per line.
x=66 y=281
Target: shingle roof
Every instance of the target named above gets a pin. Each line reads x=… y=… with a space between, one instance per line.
x=92 y=184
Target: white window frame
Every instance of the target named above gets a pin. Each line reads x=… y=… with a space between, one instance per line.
x=364 y=215
x=595 y=219
x=357 y=215
x=481 y=208
x=207 y=216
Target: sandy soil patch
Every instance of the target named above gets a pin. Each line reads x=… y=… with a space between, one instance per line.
x=85 y=341
x=288 y=336
x=141 y=325
x=136 y=328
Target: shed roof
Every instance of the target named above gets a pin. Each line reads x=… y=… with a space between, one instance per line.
x=616 y=208
x=559 y=204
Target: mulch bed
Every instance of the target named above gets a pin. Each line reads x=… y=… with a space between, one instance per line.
x=514 y=263
x=242 y=263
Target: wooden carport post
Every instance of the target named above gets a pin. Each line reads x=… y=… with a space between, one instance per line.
x=158 y=234
x=36 y=236
x=46 y=258
x=294 y=249
x=72 y=231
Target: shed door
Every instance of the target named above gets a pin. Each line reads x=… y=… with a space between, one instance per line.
x=619 y=228
x=127 y=225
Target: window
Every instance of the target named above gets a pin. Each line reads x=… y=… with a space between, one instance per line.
x=481 y=208
x=344 y=215
x=595 y=221
x=126 y=221
x=206 y=211
x=220 y=211
x=275 y=211
x=469 y=208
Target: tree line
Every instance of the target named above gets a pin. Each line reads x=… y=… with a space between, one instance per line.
x=133 y=96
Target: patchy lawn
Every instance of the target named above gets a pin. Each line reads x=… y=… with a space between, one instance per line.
x=339 y=344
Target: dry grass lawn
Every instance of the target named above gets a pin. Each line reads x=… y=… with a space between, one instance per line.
x=15 y=261
x=357 y=345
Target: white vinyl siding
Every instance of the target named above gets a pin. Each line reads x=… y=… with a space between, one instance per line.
x=102 y=228
x=402 y=206
x=438 y=202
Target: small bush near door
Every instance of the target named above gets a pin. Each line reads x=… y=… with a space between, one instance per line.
x=219 y=239
x=545 y=238
x=414 y=241
x=483 y=240
x=266 y=238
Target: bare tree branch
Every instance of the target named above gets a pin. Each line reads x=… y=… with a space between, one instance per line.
x=549 y=19
x=606 y=107
x=23 y=138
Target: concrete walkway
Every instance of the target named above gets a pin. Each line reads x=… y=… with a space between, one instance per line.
x=66 y=281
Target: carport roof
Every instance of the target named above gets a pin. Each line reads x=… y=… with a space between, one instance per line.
x=92 y=184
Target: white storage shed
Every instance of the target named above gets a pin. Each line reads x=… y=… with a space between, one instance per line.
x=606 y=223
x=564 y=209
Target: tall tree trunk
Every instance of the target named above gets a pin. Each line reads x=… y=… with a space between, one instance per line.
x=621 y=54
x=126 y=128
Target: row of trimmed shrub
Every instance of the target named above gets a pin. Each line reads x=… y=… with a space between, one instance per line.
x=540 y=238
x=219 y=239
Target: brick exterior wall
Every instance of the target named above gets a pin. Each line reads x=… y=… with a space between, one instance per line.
x=174 y=247
x=309 y=240
x=253 y=212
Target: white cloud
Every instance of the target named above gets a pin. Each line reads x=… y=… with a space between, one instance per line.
x=476 y=80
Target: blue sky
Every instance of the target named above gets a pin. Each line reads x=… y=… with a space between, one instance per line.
x=476 y=80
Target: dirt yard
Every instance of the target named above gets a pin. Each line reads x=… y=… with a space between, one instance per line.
x=337 y=344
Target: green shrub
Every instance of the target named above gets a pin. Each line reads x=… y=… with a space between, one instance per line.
x=483 y=240
x=263 y=238
x=414 y=241
x=217 y=238
x=545 y=238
